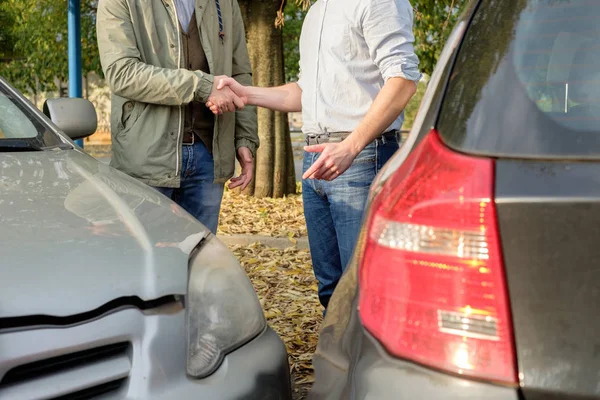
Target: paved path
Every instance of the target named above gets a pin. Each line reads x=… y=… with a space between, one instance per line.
x=275 y=242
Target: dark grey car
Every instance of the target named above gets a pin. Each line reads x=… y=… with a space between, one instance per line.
x=110 y=290
x=475 y=276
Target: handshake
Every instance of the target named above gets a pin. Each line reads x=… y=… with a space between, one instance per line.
x=227 y=95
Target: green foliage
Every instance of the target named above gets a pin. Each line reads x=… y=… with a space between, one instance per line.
x=434 y=20
x=6 y=35
x=35 y=50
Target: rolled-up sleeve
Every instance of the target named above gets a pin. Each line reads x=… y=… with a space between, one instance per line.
x=388 y=31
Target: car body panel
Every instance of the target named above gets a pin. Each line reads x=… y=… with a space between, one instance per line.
x=154 y=366
x=68 y=219
x=549 y=221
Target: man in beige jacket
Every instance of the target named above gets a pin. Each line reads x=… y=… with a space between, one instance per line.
x=162 y=60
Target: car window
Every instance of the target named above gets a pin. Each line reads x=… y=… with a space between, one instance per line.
x=527 y=81
x=20 y=127
x=14 y=124
x=557 y=58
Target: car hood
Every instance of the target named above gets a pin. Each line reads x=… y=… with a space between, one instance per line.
x=76 y=234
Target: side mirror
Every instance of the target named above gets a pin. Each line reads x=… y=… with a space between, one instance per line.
x=74 y=116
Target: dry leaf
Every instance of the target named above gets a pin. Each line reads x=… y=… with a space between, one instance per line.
x=241 y=214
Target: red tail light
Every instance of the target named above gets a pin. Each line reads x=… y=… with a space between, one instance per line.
x=432 y=287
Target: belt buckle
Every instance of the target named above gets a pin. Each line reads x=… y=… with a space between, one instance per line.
x=316 y=138
x=327 y=136
x=312 y=137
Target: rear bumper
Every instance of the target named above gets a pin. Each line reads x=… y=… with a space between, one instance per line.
x=378 y=376
x=374 y=375
x=154 y=366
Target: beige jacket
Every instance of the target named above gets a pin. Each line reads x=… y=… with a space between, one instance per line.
x=141 y=55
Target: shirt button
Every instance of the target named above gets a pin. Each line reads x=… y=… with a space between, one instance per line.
x=172 y=46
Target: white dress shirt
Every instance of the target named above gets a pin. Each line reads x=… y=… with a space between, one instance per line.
x=348 y=50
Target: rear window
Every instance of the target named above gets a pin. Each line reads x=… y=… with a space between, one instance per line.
x=526 y=81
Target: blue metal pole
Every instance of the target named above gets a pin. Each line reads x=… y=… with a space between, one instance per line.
x=75 y=78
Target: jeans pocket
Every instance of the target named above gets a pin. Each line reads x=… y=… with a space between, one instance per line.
x=360 y=174
x=367 y=155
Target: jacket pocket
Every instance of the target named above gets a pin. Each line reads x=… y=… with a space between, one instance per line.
x=130 y=113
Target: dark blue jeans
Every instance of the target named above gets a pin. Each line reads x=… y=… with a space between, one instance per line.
x=197 y=194
x=334 y=212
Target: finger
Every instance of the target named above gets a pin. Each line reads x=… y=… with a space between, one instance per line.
x=328 y=175
x=314 y=168
x=209 y=104
x=247 y=176
x=239 y=104
x=315 y=148
x=214 y=109
x=246 y=182
x=321 y=171
x=236 y=182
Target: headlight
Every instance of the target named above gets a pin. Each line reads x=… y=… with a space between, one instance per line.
x=223 y=311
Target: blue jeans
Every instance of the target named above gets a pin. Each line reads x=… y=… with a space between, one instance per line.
x=198 y=195
x=334 y=212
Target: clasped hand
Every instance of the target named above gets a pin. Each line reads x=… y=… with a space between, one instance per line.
x=226 y=96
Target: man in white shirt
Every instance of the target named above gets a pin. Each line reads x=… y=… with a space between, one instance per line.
x=358 y=72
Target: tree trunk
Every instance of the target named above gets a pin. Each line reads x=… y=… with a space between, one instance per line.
x=274 y=175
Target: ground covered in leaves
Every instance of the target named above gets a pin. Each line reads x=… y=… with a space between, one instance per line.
x=242 y=214
x=283 y=278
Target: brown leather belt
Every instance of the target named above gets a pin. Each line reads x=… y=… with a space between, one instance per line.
x=189 y=138
x=336 y=137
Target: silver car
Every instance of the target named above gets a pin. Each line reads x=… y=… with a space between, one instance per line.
x=107 y=288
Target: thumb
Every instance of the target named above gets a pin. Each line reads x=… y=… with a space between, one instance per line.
x=315 y=148
x=222 y=84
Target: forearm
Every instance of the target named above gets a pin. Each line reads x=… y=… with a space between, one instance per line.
x=138 y=81
x=286 y=98
x=388 y=105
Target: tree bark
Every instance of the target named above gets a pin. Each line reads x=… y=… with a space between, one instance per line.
x=274 y=175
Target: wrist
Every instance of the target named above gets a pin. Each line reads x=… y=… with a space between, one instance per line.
x=353 y=145
x=205 y=87
x=252 y=94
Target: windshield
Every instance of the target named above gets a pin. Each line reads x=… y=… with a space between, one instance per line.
x=19 y=127
x=527 y=81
